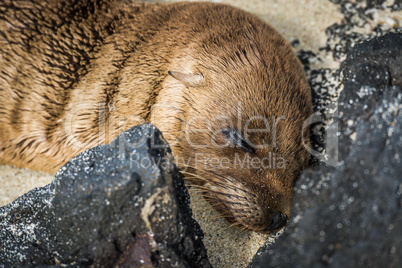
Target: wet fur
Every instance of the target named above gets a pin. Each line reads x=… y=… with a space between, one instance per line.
x=75 y=74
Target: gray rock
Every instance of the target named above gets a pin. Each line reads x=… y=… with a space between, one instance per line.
x=124 y=204
x=369 y=71
x=350 y=215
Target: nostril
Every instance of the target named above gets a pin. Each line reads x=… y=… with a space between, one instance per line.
x=278 y=220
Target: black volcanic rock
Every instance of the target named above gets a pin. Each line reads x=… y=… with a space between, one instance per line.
x=350 y=215
x=124 y=204
x=369 y=71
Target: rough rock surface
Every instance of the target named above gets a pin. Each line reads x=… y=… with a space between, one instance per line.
x=350 y=215
x=362 y=20
x=124 y=204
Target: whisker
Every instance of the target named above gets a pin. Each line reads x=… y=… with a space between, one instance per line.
x=224 y=182
x=227 y=185
x=195 y=175
x=235 y=224
x=230 y=179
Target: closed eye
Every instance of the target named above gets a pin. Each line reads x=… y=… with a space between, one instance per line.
x=237 y=140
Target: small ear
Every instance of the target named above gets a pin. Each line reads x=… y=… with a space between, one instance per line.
x=193 y=80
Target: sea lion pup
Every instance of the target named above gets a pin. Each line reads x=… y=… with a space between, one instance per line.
x=224 y=88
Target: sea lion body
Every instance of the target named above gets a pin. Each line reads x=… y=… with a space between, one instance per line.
x=73 y=76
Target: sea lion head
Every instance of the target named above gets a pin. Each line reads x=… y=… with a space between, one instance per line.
x=243 y=136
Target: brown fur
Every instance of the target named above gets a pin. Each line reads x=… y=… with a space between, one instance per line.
x=75 y=74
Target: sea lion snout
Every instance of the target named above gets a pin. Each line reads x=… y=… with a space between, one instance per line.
x=248 y=206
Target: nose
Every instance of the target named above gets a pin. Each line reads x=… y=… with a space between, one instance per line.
x=278 y=220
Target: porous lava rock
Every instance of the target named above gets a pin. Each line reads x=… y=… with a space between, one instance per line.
x=118 y=205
